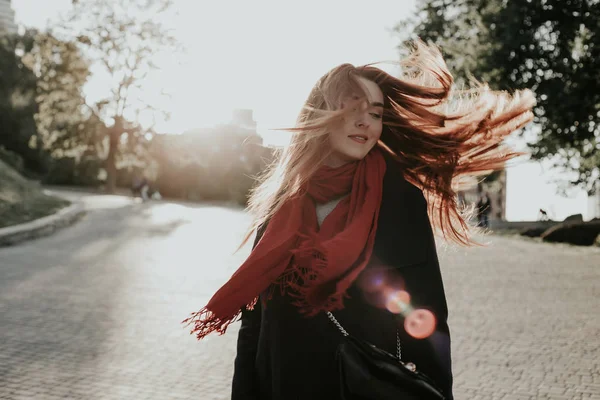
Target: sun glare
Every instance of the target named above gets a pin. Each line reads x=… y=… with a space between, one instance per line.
x=238 y=56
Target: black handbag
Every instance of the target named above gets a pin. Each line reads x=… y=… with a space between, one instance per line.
x=369 y=373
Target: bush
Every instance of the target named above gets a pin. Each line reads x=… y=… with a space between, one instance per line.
x=12 y=159
x=574 y=218
x=61 y=172
x=87 y=172
x=577 y=233
x=533 y=232
x=67 y=171
x=22 y=200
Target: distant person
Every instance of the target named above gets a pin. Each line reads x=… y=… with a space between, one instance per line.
x=484 y=208
x=140 y=187
x=343 y=229
x=543 y=215
x=135 y=185
x=145 y=187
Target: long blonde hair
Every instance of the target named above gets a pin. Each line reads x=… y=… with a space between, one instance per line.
x=438 y=135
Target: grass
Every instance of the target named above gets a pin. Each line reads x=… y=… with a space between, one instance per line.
x=22 y=200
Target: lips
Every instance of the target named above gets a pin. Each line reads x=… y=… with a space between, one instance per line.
x=359 y=138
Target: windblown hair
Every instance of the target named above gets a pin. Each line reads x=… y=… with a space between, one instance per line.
x=437 y=134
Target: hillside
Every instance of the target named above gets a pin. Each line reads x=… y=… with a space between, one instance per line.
x=22 y=200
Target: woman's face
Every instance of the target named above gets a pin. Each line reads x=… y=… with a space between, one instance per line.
x=360 y=130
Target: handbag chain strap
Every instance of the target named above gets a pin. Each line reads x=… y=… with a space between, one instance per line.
x=345 y=333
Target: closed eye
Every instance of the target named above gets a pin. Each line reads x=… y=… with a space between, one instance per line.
x=376 y=116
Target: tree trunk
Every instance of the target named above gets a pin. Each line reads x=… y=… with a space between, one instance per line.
x=111 y=161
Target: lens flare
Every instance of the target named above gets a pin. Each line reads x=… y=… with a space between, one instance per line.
x=398 y=302
x=371 y=281
x=420 y=323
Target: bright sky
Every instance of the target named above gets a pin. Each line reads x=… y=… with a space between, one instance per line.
x=266 y=56
x=262 y=55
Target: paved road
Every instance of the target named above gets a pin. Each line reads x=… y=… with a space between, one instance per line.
x=93 y=311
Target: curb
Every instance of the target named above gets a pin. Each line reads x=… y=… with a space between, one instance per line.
x=42 y=226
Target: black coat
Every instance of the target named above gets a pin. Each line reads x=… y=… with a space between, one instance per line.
x=282 y=355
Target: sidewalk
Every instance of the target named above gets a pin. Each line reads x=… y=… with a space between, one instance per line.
x=94 y=312
x=14 y=234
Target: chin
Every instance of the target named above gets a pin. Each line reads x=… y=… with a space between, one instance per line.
x=360 y=157
x=355 y=156
x=351 y=154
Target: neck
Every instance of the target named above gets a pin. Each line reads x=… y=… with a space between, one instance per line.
x=335 y=161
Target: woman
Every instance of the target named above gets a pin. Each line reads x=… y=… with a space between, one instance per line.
x=342 y=225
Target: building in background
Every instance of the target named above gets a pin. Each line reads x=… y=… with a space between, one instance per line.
x=216 y=163
x=244 y=118
x=7 y=18
x=594 y=204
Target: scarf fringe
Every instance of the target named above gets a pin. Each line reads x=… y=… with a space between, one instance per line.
x=252 y=304
x=205 y=322
x=305 y=275
x=309 y=261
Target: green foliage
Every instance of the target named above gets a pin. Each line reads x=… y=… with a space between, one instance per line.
x=74 y=171
x=17 y=102
x=22 y=200
x=550 y=46
x=12 y=159
x=42 y=114
x=65 y=128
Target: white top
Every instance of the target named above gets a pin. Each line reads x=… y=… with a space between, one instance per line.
x=323 y=210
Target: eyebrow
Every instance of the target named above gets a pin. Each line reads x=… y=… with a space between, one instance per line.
x=376 y=104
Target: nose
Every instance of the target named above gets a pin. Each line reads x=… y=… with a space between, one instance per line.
x=362 y=116
x=361 y=123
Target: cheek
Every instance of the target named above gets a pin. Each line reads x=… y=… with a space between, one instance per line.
x=377 y=129
x=340 y=131
x=335 y=138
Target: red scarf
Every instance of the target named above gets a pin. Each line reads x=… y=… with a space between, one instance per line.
x=313 y=265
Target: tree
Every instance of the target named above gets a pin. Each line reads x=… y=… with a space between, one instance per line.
x=17 y=102
x=550 y=46
x=121 y=37
x=65 y=128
